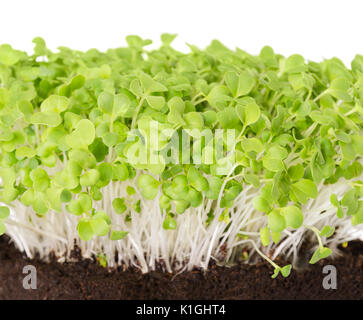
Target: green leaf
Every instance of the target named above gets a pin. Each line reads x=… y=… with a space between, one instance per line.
x=303 y=190
x=135 y=88
x=276 y=221
x=294 y=64
x=4 y=212
x=65 y=196
x=120 y=172
x=101 y=215
x=339 y=89
x=99 y=226
x=327 y=231
x=301 y=81
x=89 y=178
x=228 y=118
x=286 y=270
x=149 y=85
x=75 y=83
x=105 y=102
x=156 y=102
x=245 y=84
x=219 y=97
x=248 y=111
x=319 y=254
x=40 y=179
x=137 y=42
x=239 y=85
x=148 y=185
x=214 y=187
x=50 y=119
x=167 y=38
x=9 y=56
x=293 y=216
x=118 y=235
x=176 y=106
x=273 y=164
x=85 y=229
x=26 y=108
x=265 y=236
x=357 y=143
x=110 y=139
x=276 y=273
x=252 y=144
x=261 y=204
x=350 y=201
x=181 y=206
x=196 y=179
x=296 y=172
x=276 y=237
x=193 y=120
x=122 y=105
x=82 y=136
x=25 y=152
x=195 y=197
x=116 y=105
x=119 y=206
x=169 y=223
x=54 y=103
x=252 y=179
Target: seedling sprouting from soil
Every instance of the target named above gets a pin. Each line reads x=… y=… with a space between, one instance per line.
x=163 y=156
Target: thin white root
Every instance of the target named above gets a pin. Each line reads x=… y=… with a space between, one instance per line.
x=193 y=244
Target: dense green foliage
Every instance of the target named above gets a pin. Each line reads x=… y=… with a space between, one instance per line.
x=66 y=123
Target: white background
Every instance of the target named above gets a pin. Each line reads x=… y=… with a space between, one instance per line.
x=316 y=29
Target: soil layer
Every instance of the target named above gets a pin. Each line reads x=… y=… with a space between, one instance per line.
x=86 y=279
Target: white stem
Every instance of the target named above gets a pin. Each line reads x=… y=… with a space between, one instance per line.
x=193 y=244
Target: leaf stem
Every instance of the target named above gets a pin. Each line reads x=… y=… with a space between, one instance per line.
x=320 y=95
x=199 y=101
x=37 y=133
x=317 y=233
x=134 y=118
x=263 y=255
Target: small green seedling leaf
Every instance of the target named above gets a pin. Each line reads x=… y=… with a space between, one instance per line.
x=248 y=111
x=303 y=190
x=265 y=236
x=119 y=206
x=319 y=254
x=286 y=270
x=54 y=103
x=293 y=216
x=169 y=223
x=148 y=185
x=276 y=221
x=327 y=231
x=118 y=235
x=4 y=212
x=82 y=136
x=99 y=226
x=261 y=204
x=85 y=230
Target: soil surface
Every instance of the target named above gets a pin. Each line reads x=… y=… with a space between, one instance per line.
x=85 y=279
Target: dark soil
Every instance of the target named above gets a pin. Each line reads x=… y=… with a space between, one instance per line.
x=87 y=280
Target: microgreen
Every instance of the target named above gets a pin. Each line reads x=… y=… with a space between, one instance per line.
x=96 y=134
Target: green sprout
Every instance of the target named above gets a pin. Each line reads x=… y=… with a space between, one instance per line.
x=321 y=252
x=165 y=153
